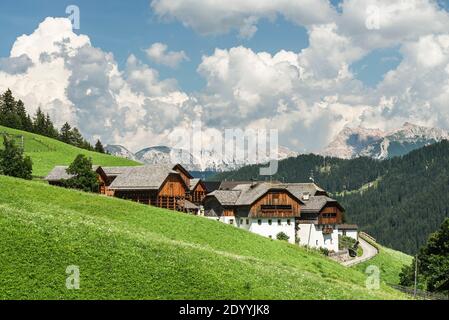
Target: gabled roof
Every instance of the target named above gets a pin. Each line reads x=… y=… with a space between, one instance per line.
x=299 y=189
x=115 y=171
x=211 y=185
x=179 y=167
x=148 y=177
x=60 y=173
x=229 y=185
x=225 y=197
x=252 y=192
x=194 y=183
x=316 y=203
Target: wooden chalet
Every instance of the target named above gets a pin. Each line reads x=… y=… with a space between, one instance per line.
x=253 y=200
x=164 y=186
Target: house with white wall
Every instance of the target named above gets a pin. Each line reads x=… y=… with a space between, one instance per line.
x=302 y=211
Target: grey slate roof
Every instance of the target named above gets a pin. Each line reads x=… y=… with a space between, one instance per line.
x=60 y=173
x=146 y=177
x=316 y=203
x=115 y=171
x=226 y=197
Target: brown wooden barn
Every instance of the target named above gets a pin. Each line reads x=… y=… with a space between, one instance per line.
x=164 y=186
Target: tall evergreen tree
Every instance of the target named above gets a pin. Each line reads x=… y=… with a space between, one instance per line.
x=99 y=147
x=77 y=138
x=65 y=134
x=8 y=112
x=25 y=120
x=12 y=161
x=39 y=123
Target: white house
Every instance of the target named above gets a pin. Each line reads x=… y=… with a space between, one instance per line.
x=301 y=211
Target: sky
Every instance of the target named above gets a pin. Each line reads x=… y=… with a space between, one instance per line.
x=133 y=72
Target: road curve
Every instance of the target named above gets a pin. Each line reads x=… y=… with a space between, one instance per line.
x=369 y=251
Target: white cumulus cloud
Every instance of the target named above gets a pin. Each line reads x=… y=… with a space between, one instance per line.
x=158 y=52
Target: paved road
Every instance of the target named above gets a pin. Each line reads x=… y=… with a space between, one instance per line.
x=368 y=252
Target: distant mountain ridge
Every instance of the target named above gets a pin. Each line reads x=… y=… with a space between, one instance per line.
x=374 y=143
x=208 y=160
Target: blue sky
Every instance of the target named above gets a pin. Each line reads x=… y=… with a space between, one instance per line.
x=123 y=29
x=325 y=70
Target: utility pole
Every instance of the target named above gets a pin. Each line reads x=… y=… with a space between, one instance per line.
x=416 y=275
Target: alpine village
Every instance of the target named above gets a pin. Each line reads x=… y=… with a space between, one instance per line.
x=164 y=233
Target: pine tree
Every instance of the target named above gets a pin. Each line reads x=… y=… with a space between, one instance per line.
x=77 y=138
x=25 y=120
x=8 y=112
x=39 y=123
x=12 y=161
x=99 y=147
x=65 y=134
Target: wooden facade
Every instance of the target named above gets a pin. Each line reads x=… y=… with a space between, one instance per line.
x=331 y=214
x=276 y=203
x=198 y=193
x=168 y=196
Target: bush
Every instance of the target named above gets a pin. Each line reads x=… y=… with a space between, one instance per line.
x=345 y=242
x=324 y=251
x=12 y=161
x=85 y=178
x=282 y=236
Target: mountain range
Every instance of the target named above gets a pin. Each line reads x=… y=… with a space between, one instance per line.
x=207 y=161
x=350 y=143
x=374 y=143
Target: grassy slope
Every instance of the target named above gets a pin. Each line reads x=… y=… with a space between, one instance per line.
x=47 y=153
x=127 y=250
x=390 y=263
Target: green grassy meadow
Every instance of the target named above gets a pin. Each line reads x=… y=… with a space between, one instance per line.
x=389 y=262
x=47 y=153
x=125 y=250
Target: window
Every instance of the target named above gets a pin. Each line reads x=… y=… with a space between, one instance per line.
x=276 y=207
x=279 y=222
x=247 y=221
x=317 y=242
x=259 y=222
x=271 y=237
x=269 y=222
x=231 y=221
x=288 y=222
x=241 y=221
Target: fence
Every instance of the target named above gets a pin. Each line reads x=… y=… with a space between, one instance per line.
x=421 y=294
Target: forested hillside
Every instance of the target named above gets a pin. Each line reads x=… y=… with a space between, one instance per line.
x=399 y=201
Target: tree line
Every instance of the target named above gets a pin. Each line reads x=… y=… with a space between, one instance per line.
x=14 y=115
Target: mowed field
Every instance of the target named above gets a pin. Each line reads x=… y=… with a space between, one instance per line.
x=47 y=153
x=125 y=250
